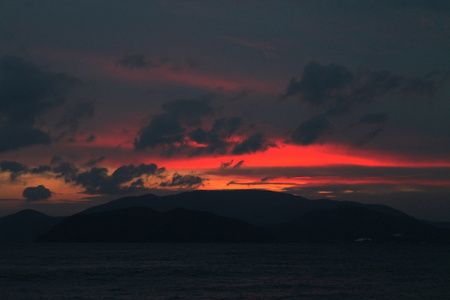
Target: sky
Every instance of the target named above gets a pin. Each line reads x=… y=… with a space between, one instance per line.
x=345 y=100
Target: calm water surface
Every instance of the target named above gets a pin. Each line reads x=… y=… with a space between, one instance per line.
x=224 y=271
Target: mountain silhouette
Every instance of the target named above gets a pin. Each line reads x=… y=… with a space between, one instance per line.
x=25 y=226
x=350 y=223
x=228 y=215
x=444 y=225
x=258 y=207
x=146 y=225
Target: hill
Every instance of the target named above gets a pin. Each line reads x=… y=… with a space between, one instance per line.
x=25 y=226
x=358 y=223
x=288 y=217
x=258 y=207
x=147 y=225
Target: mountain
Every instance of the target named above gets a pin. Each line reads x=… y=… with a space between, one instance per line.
x=146 y=225
x=258 y=207
x=25 y=226
x=288 y=217
x=350 y=223
x=444 y=225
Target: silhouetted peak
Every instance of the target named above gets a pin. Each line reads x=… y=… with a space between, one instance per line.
x=27 y=213
x=146 y=225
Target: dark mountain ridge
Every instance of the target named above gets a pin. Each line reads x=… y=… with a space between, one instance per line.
x=25 y=225
x=145 y=225
x=258 y=207
x=289 y=217
x=443 y=225
x=358 y=223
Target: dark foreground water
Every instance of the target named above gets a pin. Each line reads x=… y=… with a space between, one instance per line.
x=224 y=271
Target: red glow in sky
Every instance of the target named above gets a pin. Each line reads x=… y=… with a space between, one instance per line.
x=293 y=96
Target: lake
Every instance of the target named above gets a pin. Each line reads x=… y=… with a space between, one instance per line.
x=224 y=271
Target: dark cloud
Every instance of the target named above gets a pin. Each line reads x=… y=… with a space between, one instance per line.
x=188 y=109
x=374 y=118
x=180 y=124
x=338 y=92
x=138 y=184
x=374 y=133
x=74 y=114
x=91 y=138
x=15 y=135
x=252 y=144
x=310 y=130
x=238 y=164
x=337 y=88
x=422 y=87
x=135 y=61
x=369 y=136
x=224 y=165
x=140 y=61
x=36 y=193
x=190 y=181
x=169 y=127
x=368 y=85
x=16 y=169
x=241 y=95
x=56 y=159
x=225 y=127
x=26 y=92
x=127 y=173
x=41 y=169
x=95 y=161
x=319 y=82
x=228 y=164
x=216 y=139
x=204 y=137
x=163 y=130
x=64 y=169
x=12 y=166
x=97 y=181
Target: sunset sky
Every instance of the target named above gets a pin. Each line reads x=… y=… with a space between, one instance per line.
x=346 y=100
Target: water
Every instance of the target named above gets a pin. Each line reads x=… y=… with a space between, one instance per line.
x=224 y=271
